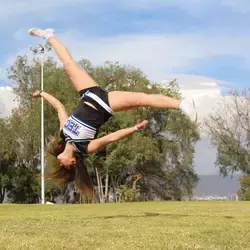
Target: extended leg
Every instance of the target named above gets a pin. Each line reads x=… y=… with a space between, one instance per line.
x=78 y=76
x=120 y=101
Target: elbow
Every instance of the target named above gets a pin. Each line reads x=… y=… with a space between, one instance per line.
x=59 y=106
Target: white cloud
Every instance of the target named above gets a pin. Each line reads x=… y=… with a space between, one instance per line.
x=160 y=56
x=7 y=101
x=205 y=91
x=3 y=74
x=157 y=55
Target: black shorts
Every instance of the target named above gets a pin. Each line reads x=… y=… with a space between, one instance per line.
x=103 y=94
x=98 y=97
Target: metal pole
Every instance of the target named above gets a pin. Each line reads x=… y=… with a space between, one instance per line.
x=40 y=50
x=42 y=138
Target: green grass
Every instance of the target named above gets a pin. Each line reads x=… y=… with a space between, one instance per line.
x=152 y=225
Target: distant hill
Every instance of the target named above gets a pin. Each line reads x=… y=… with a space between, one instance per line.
x=217 y=185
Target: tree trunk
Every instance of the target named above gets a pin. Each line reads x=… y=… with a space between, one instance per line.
x=101 y=186
x=2 y=194
x=99 y=183
x=113 y=184
x=138 y=177
x=2 y=190
x=106 y=187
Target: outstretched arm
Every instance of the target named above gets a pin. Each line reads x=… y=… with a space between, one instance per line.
x=55 y=103
x=97 y=144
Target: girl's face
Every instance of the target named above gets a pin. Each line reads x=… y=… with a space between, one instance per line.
x=66 y=159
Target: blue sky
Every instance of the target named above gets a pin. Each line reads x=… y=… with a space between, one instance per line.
x=218 y=29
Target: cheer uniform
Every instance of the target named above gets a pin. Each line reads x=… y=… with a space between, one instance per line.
x=83 y=125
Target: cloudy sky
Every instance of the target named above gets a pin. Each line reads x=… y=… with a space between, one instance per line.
x=204 y=44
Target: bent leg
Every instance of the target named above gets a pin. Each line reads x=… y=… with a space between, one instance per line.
x=120 y=101
x=78 y=76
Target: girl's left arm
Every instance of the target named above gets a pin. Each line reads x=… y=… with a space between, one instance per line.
x=99 y=143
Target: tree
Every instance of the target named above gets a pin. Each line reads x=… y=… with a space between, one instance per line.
x=144 y=154
x=16 y=180
x=22 y=186
x=4 y=171
x=244 y=192
x=229 y=128
x=163 y=153
x=7 y=157
x=24 y=123
x=3 y=165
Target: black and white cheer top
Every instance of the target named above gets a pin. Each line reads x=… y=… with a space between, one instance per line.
x=83 y=125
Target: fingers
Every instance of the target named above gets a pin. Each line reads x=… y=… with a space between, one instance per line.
x=142 y=124
x=36 y=94
x=145 y=122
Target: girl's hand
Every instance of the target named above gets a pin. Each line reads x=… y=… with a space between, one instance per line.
x=37 y=94
x=141 y=125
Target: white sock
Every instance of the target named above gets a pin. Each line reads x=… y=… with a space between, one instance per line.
x=182 y=105
x=49 y=35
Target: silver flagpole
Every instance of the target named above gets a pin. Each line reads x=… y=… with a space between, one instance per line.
x=40 y=50
x=42 y=137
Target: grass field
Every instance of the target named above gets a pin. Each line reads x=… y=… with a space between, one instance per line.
x=152 y=225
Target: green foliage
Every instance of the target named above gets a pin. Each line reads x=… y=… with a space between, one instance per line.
x=244 y=192
x=229 y=128
x=124 y=194
x=4 y=168
x=22 y=186
x=161 y=154
x=7 y=156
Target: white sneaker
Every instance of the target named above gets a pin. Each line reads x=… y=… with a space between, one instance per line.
x=41 y=33
x=187 y=106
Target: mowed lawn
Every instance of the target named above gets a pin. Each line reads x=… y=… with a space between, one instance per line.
x=147 y=225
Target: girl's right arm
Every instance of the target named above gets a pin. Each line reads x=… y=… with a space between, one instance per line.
x=55 y=103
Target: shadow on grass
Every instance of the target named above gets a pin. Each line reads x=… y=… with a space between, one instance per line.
x=228 y=217
x=142 y=216
x=176 y=216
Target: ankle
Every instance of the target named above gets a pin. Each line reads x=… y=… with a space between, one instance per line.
x=48 y=36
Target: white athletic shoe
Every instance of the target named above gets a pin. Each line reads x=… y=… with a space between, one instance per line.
x=187 y=106
x=47 y=33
